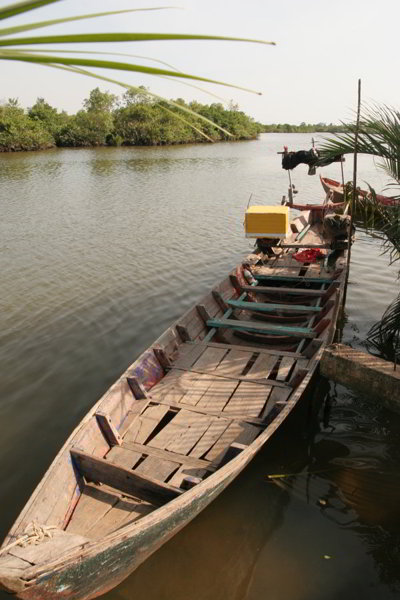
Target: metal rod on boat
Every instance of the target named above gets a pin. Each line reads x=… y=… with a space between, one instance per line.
x=353 y=196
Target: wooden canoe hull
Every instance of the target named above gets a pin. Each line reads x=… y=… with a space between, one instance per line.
x=98 y=565
x=102 y=567
x=336 y=189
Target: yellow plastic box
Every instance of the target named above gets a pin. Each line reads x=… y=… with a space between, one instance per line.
x=267 y=222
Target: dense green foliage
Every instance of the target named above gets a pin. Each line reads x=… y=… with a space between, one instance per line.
x=302 y=128
x=135 y=119
x=378 y=136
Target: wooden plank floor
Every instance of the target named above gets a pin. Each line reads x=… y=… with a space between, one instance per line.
x=188 y=424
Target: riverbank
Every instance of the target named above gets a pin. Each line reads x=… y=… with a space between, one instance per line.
x=132 y=120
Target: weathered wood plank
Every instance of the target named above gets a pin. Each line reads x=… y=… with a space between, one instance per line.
x=156 y=468
x=164 y=455
x=214 y=431
x=121 y=513
x=214 y=376
x=233 y=363
x=217 y=394
x=230 y=434
x=298 y=279
x=162 y=357
x=196 y=425
x=49 y=549
x=284 y=368
x=92 y=505
x=188 y=354
x=119 y=402
x=175 y=385
x=110 y=432
x=206 y=411
x=173 y=429
x=248 y=433
x=130 y=482
x=137 y=388
x=285 y=291
x=264 y=307
x=182 y=433
x=253 y=349
x=247 y=400
x=145 y=424
x=200 y=387
x=262 y=367
x=232 y=452
x=183 y=333
x=210 y=359
x=123 y=457
x=280 y=395
x=183 y=472
x=262 y=328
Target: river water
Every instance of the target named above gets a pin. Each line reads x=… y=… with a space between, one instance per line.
x=100 y=251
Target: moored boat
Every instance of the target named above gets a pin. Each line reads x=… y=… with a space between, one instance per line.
x=182 y=421
x=336 y=192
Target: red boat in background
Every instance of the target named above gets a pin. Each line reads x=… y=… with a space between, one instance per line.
x=337 y=193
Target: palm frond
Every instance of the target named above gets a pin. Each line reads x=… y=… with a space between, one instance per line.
x=377 y=217
x=109 y=64
x=41 y=24
x=126 y=55
x=15 y=43
x=379 y=136
x=384 y=337
x=95 y=38
x=18 y=8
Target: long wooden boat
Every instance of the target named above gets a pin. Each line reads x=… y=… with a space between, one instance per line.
x=335 y=190
x=179 y=425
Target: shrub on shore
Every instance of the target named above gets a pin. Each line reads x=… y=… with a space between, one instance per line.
x=133 y=120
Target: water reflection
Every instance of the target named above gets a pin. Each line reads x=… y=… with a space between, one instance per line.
x=353 y=481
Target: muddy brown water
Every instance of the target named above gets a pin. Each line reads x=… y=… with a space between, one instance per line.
x=100 y=251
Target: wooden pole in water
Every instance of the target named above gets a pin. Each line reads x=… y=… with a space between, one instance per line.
x=342 y=170
x=353 y=196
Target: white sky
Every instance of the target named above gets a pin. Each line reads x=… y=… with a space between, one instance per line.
x=324 y=46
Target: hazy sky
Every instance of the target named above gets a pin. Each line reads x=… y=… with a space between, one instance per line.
x=323 y=47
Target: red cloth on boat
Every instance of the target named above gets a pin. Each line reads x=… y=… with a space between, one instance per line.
x=309 y=256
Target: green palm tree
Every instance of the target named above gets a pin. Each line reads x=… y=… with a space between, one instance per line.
x=30 y=48
x=379 y=136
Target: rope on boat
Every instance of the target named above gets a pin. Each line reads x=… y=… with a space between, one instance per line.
x=33 y=534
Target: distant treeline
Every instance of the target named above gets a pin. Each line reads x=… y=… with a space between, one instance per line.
x=302 y=128
x=135 y=119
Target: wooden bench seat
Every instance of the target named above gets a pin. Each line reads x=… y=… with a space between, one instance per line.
x=262 y=328
x=267 y=307
x=127 y=481
x=294 y=279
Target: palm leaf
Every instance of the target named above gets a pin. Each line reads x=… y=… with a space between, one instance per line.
x=108 y=64
x=90 y=38
x=93 y=38
x=384 y=337
x=21 y=7
x=40 y=24
x=161 y=62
